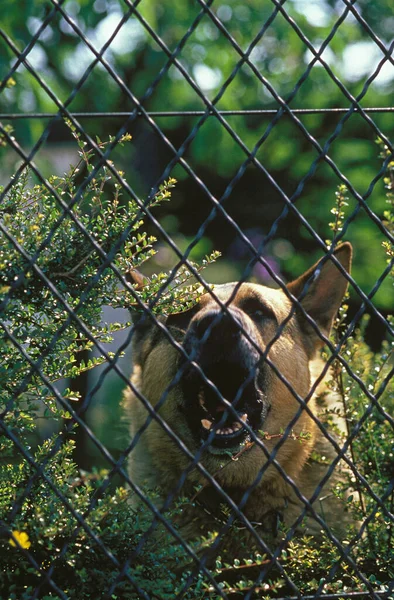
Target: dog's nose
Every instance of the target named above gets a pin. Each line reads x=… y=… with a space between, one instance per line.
x=223 y=325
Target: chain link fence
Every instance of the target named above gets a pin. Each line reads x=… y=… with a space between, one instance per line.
x=209 y=493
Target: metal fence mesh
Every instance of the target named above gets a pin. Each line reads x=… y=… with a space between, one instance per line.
x=58 y=12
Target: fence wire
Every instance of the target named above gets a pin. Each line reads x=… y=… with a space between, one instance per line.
x=58 y=11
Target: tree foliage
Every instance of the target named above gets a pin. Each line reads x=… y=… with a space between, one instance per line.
x=276 y=68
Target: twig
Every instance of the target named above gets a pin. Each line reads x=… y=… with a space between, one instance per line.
x=74 y=269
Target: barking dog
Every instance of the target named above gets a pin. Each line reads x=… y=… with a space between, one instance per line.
x=254 y=352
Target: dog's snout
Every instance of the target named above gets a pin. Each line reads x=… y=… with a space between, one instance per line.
x=218 y=323
x=221 y=336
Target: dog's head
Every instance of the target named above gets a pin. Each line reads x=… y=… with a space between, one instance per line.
x=242 y=362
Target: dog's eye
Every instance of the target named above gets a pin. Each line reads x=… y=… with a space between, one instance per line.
x=256 y=310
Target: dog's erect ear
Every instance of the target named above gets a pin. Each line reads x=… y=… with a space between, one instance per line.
x=324 y=295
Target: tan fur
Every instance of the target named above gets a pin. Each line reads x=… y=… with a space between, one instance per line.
x=157 y=461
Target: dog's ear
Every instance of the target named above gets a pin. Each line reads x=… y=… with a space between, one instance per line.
x=143 y=324
x=145 y=335
x=325 y=293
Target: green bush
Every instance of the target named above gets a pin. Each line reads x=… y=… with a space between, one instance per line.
x=48 y=508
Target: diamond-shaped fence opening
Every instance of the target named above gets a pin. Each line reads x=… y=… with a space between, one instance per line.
x=226 y=440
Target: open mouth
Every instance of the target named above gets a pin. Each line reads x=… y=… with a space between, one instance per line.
x=210 y=418
x=228 y=428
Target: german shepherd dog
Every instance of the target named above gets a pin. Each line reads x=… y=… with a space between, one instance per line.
x=233 y=383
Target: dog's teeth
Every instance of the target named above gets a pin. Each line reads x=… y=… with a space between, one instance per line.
x=201 y=401
x=244 y=417
x=236 y=426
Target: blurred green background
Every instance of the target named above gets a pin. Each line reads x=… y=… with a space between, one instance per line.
x=62 y=60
